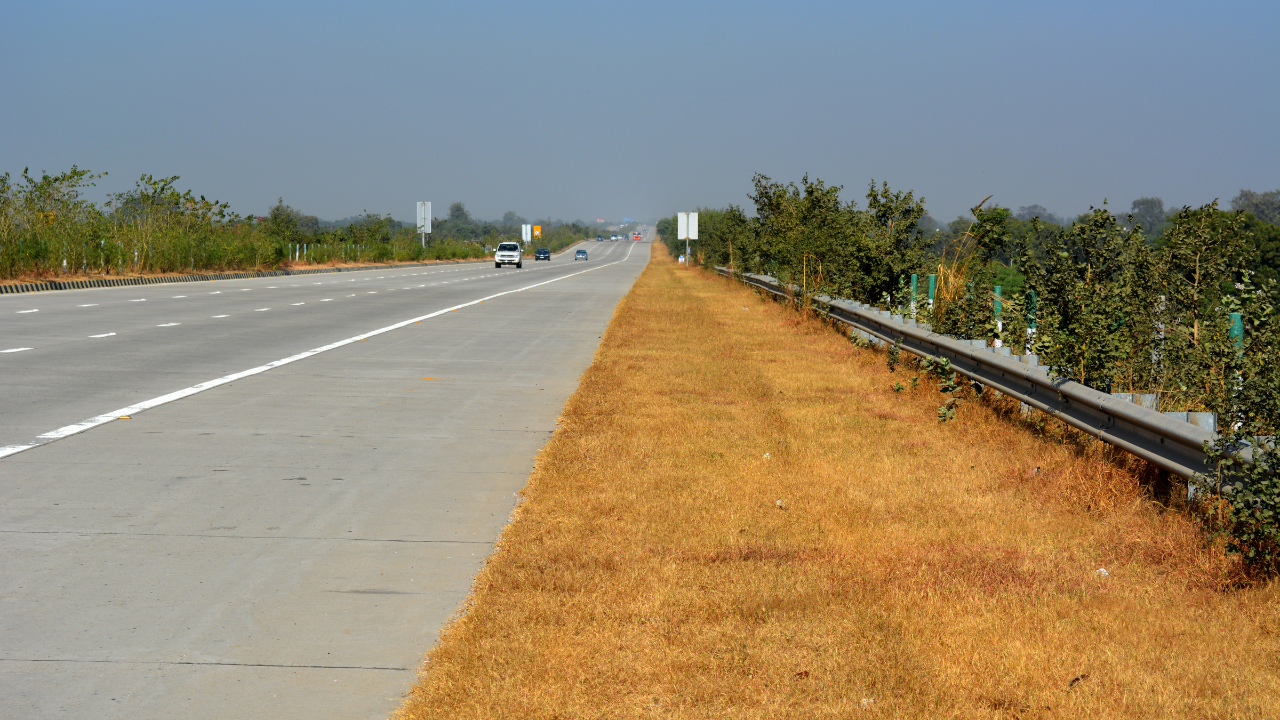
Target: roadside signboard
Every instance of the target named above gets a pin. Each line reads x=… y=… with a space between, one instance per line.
x=687 y=229
x=424 y=217
x=537 y=232
x=687 y=226
x=424 y=221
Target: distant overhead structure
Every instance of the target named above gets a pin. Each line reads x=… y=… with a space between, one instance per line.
x=424 y=220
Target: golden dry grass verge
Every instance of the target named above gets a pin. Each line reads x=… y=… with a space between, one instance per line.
x=738 y=517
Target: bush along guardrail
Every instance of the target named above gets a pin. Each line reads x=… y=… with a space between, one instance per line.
x=1232 y=478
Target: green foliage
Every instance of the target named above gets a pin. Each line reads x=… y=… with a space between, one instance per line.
x=47 y=228
x=1240 y=500
x=1094 y=319
x=807 y=235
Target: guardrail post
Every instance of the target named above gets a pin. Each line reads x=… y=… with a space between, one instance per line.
x=915 y=284
x=1236 y=333
x=1031 y=316
x=933 y=289
x=998 y=307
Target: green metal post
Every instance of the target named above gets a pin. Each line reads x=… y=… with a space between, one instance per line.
x=915 y=279
x=933 y=289
x=1236 y=333
x=999 y=323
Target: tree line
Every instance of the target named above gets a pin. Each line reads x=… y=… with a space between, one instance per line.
x=49 y=228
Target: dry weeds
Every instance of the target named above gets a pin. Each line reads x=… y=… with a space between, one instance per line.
x=738 y=517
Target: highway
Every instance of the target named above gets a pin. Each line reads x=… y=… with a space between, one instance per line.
x=308 y=473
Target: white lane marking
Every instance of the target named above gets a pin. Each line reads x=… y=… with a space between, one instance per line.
x=168 y=324
x=102 y=335
x=216 y=292
x=218 y=316
x=373 y=292
x=262 y=309
x=89 y=305
x=24 y=312
x=326 y=300
x=187 y=392
x=298 y=303
x=13 y=350
x=245 y=289
x=175 y=297
x=139 y=300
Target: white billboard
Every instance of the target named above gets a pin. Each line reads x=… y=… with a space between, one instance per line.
x=424 y=217
x=687 y=226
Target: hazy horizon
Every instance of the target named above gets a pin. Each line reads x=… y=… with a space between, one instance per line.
x=577 y=111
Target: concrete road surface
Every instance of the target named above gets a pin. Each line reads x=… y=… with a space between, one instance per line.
x=287 y=541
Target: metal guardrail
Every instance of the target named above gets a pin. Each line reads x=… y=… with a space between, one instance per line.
x=1171 y=444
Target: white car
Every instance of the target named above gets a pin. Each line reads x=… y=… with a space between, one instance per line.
x=508 y=253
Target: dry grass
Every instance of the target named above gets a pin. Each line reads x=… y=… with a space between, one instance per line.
x=739 y=518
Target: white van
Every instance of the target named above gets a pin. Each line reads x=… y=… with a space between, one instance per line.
x=508 y=253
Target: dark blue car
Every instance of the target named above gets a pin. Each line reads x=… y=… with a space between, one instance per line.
x=542 y=254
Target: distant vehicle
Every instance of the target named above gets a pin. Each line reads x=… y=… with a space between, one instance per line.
x=613 y=237
x=542 y=254
x=636 y=237
x=580 y=255
x=599 y=238
x=508 y=253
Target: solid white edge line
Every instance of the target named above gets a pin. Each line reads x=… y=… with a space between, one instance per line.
x=105 y=418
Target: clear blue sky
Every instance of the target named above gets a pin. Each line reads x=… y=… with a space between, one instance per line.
x=585 y=110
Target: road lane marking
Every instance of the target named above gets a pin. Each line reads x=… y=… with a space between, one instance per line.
x=216 y=292
x=168 y=324
x=302 y=303
x=218 y=316
x=93 y=422
x=102 y=335
x=262 y=309
x=14 y=350
x=89 y=305
x=175 y=297
x=326 y=300
x=24 y=312
x=139 y=300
